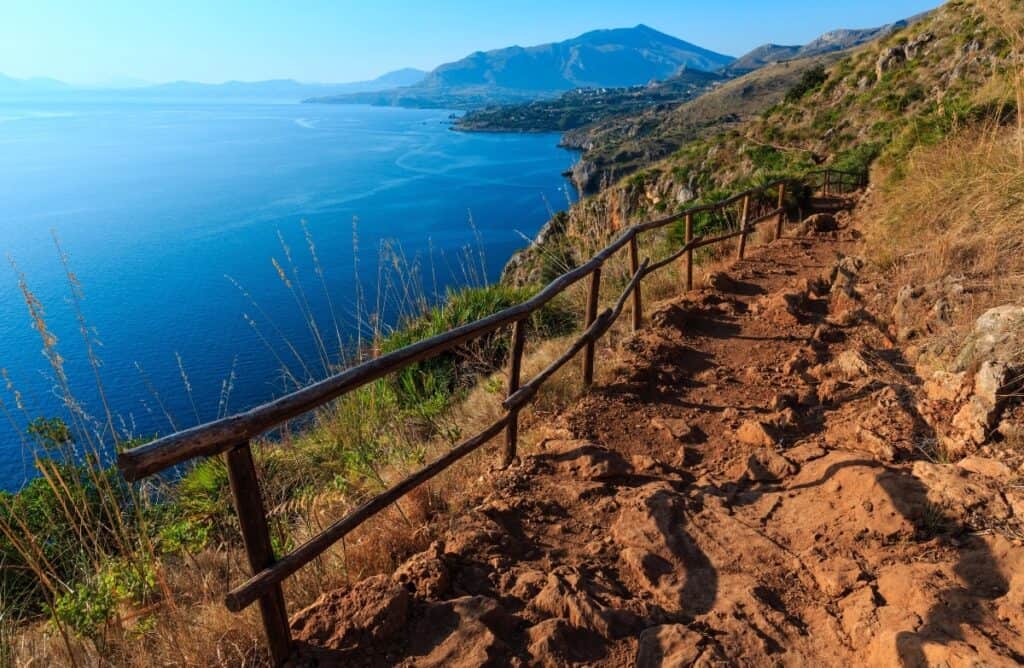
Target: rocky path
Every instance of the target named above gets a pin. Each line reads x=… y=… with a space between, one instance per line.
x=750 y=490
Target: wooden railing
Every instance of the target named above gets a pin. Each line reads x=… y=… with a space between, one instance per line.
x=836 y=182
x=231 y=436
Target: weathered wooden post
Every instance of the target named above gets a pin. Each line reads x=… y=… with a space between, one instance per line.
x=515 y=363
x=743 y=228
x=828 y=182
x=634 y=266
x=689 y=253
x=252 y=520
x=782 y=211
x=591 y=316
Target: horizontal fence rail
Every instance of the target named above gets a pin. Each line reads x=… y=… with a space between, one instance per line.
x=736 y=218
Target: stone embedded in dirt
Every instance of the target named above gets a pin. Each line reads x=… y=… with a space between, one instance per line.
x=668 y=646
x=425 y=574
x=851 y=365
x=784 y=400
x=766 y=465
x=959 y=496
x=567 y=594
x=784 y=307
x=799 y=361
x=556 y=642
x=585 y=460
x=368 y=613
x=464 y=632
x=679 y=430
x=945 y=386
x=783 y=419
x=805 y=452
x=657 y=554
x=845 y=310
x=720 y=281
x=880 y=424
x=830 y=389
x=836 y=575
x=844 y=276
x=990 y=468
x=756 y=433
x=817 y=224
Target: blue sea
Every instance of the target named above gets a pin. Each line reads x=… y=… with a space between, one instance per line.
x=171 y=216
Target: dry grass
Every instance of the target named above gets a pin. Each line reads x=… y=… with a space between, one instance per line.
x=958 y=212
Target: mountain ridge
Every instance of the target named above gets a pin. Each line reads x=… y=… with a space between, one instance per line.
x=607 y=58
x=266 y=88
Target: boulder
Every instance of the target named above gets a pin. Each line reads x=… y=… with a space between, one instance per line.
x=556 y=642
x=464 y=632
x=368 y=613
x=998 y=335
x=979 y=415
x=890 y=59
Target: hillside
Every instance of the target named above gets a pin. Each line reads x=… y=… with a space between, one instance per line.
x=585 y=106
x=911 y=87
x=618 y=146
x=602 y=58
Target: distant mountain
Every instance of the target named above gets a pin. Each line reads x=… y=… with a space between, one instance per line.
x=282 y=89
x=830 y=42
x=766 y=54
x=10 y=85
x=599 y=59
x=276 y=89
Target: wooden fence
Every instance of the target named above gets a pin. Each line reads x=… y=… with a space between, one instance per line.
x=231 y=436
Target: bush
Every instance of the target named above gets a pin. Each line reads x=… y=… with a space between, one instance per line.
x=811 y=81
x=443 y=375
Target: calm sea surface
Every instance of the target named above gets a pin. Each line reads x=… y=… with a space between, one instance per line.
x=156 y=205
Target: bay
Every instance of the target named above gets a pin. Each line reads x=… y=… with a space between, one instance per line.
x=164 y=208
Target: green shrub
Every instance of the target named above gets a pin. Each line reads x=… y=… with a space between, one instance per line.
x=811 y=81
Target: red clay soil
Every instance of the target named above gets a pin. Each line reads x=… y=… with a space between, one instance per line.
x=750 y=490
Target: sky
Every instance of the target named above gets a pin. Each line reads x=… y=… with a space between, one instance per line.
x=105 y=41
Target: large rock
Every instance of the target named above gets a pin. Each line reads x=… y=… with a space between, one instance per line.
x=463 y=633
x=584 y=460
x=369 y=613
x=978 y=417
x=998 y=336
x=556 y=643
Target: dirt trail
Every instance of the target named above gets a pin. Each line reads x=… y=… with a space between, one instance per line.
x=748 y=491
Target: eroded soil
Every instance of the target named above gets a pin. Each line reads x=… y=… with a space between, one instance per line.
x=750 y=490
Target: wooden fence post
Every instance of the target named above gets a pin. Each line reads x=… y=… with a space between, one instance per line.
x=782 y=210
x=743 y=228
x=252 y=520
x=591 y=316
x=515 y=363
x=689 y=253
x=828 y=182
x=634 y=266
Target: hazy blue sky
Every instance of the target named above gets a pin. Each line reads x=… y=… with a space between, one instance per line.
x=87 y=41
